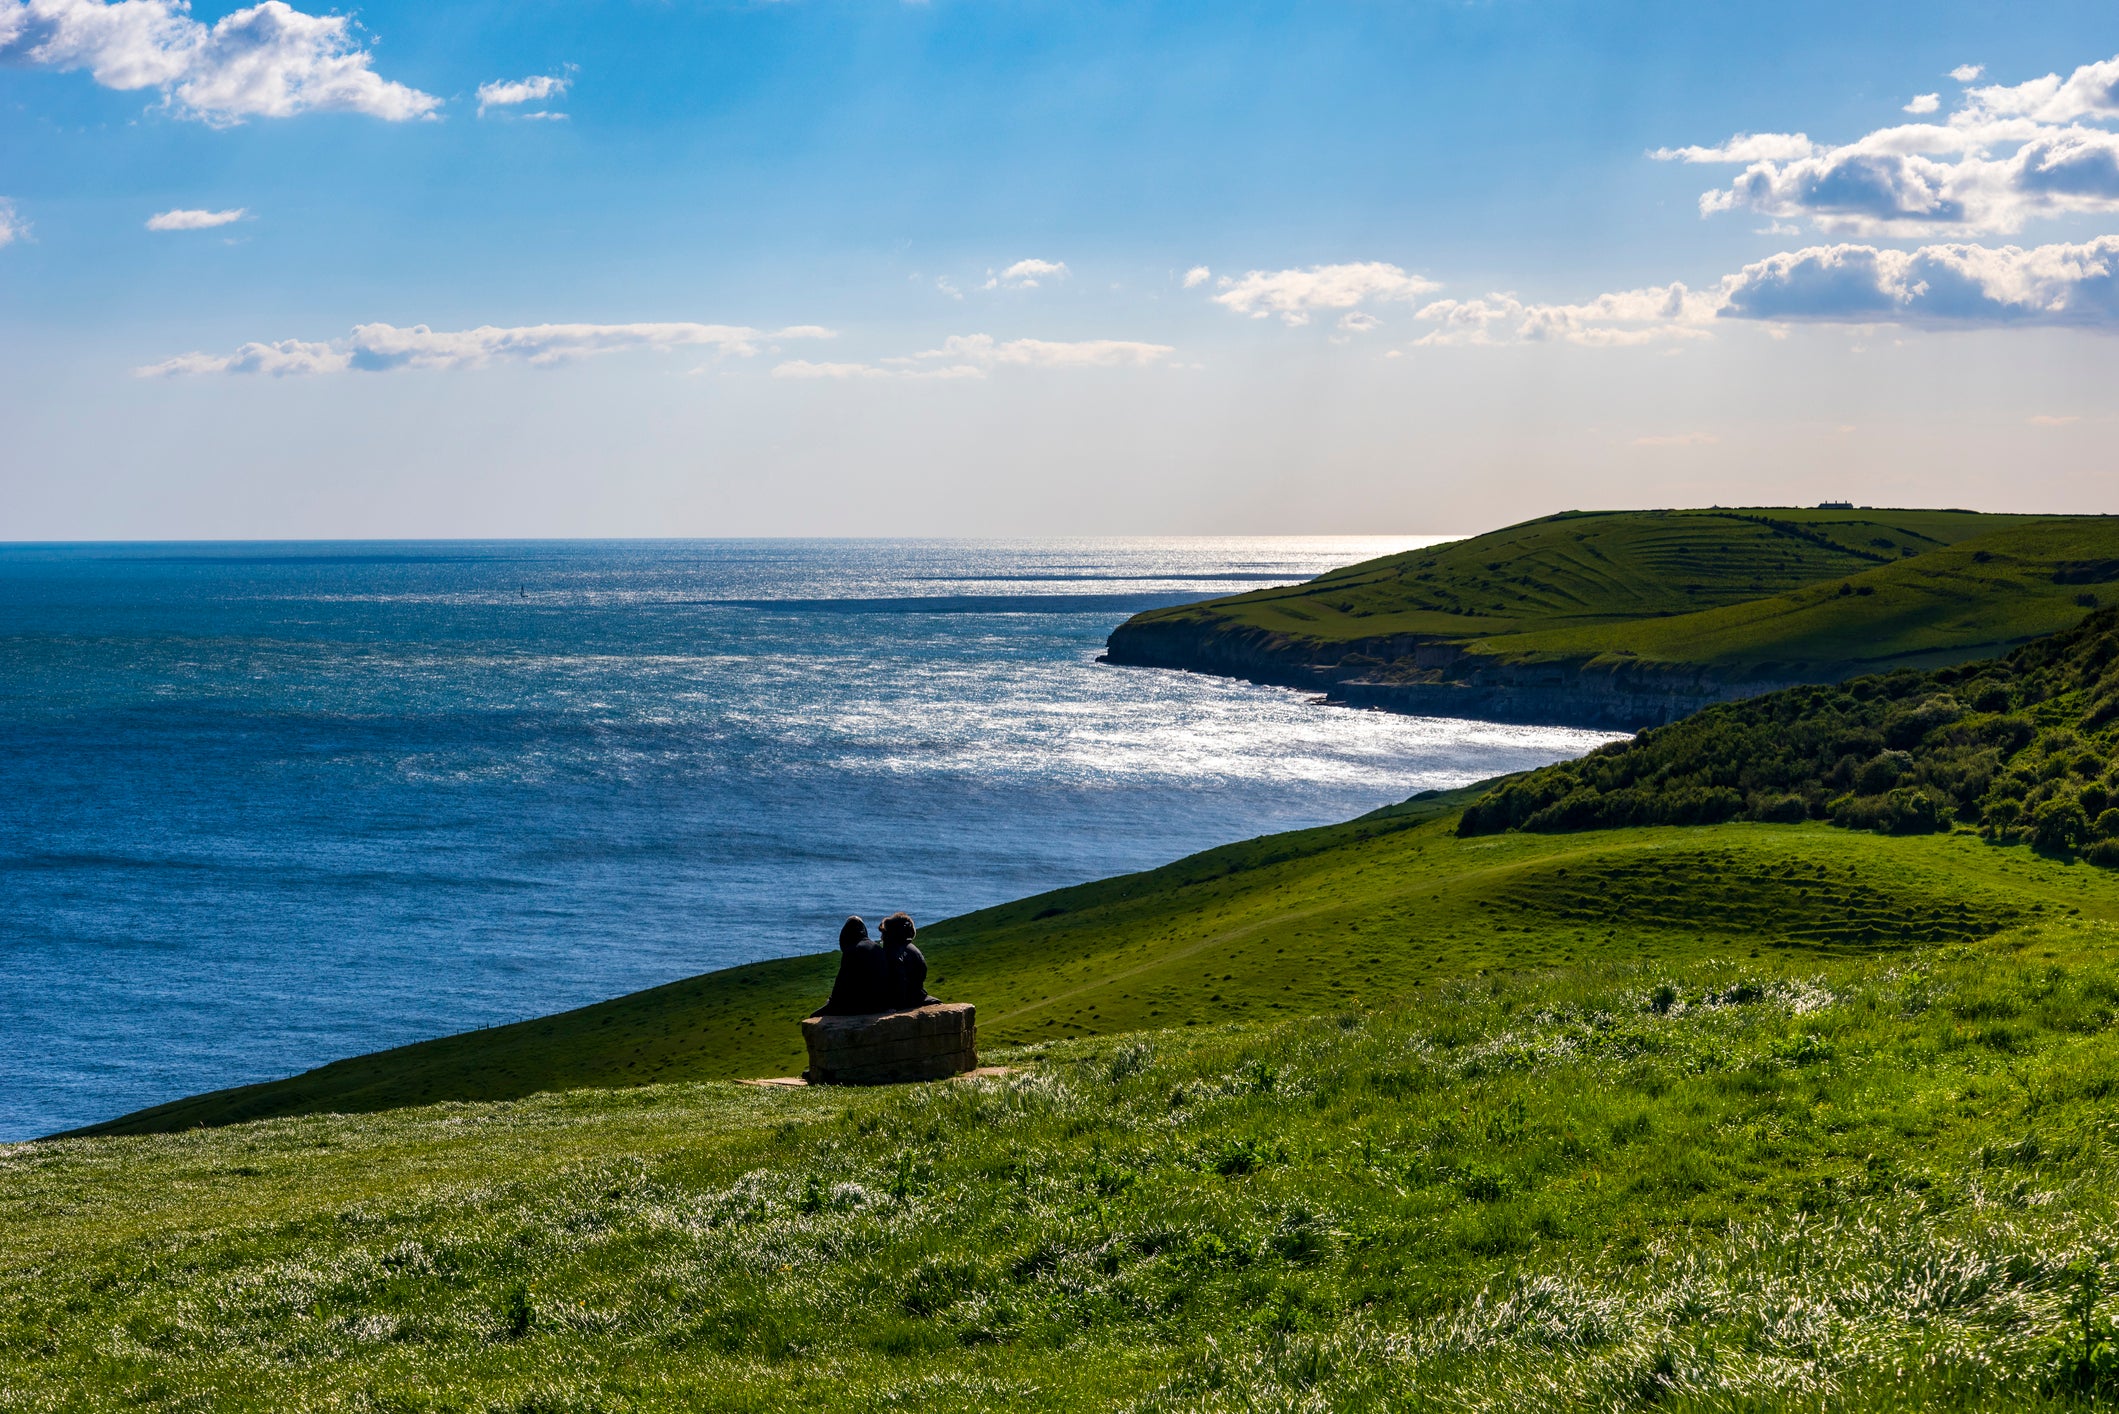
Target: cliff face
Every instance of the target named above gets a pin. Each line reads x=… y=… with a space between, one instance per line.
x=1427 y=678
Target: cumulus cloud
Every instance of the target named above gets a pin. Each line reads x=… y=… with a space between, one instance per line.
x=1198 y=275
x=12 y=227
x=1295 y=295
x=1744 y=147
x=2007 y=155
x=513 y=93
x=1026 y=274
x=1943 y=286
x=1621 y=319
x=2066 y=285
x=269 y=60
x=1965 y=73
x=184 y=219
x=2092 y=91
x=376 y=348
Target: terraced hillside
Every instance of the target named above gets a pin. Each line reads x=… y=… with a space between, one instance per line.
x=1318 y=921
x=1634 y=618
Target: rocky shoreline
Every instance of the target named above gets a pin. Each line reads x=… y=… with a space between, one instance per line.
x=1427 y=678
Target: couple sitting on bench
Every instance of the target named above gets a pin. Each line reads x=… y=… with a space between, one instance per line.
x=874 y=977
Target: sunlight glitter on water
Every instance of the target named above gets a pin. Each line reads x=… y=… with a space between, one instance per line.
x=279 y=804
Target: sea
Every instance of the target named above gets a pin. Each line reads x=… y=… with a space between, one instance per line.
x=266 y=805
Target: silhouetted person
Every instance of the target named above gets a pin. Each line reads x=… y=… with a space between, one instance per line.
x=863 y=983
x=906 y=969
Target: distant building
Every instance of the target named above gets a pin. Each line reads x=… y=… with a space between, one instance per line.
x=1835 y=505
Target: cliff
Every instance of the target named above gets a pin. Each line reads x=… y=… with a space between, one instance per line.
x=1436 y=679
x=1632 y=619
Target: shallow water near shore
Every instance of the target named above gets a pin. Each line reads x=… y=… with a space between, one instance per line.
x=269 y=805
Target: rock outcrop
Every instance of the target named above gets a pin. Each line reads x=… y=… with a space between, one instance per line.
x=1408 y=674
x=931 y=1042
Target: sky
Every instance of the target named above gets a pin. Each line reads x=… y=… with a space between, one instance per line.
x=981 y=267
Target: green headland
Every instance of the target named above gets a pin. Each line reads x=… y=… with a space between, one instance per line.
x=1634 y=618
x=1766 y=1061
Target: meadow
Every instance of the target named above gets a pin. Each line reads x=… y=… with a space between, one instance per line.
x=1765 y=594
x=1440 y=1108
x=1807 y=1176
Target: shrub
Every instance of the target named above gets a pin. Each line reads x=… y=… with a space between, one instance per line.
x=1886 y=771
x=1898 y=753
x=2059 y=826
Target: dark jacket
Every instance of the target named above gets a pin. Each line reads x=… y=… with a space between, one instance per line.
x=864 y=982
x=907 y=985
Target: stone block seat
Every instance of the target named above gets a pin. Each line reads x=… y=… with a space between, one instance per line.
x=888 y=1047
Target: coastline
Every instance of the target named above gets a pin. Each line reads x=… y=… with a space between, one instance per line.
x=1442 y=681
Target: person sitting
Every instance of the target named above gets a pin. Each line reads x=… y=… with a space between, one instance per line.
x=863 y=983
x=905 y=966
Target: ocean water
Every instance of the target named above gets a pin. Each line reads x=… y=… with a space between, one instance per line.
x=262 y=806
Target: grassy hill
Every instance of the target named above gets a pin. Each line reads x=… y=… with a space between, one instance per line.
x=1741 y=1116
x=1348 y=916
x=1634 y=617
x=2023 y=747
x=1396 y=1114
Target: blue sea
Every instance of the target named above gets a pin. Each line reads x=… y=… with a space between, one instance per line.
x=266 y=805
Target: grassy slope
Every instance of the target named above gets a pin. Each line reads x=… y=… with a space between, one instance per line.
x=1959 y=602
x=1888 y=1061
x=1736 y=591
x=1346 y=916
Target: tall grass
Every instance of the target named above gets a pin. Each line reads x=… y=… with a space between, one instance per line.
x=1875 y=1186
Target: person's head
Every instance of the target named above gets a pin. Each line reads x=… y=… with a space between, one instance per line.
x=855 y=931
x=898 y=930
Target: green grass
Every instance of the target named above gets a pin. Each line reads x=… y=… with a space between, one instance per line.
x=1754 y=593
x=1349 y=915
x=2023 y=747
x=1702 y=1167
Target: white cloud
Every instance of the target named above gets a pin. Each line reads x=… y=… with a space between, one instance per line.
x=184 y=219
x=269 y=60
x=12 y=227
x=1944 y=286
x=2092 y=91
x=978 y=355
x=1198 y=275
x=1026 y=274
x=1621 y=319
x=803 y=368
x=1744 y=147
x=1359 y=321
x=2073 y=286
x=1295 y=295
x=984 y=351
x=2051 y=420
x=375 y=348
x=2008 y=155
x=948 y=287
x=513 y=93
x=1965 y=73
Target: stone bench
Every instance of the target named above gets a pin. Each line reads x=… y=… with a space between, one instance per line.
x=885 y=1048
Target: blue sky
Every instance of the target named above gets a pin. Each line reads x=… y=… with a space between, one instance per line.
x=822 y=266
